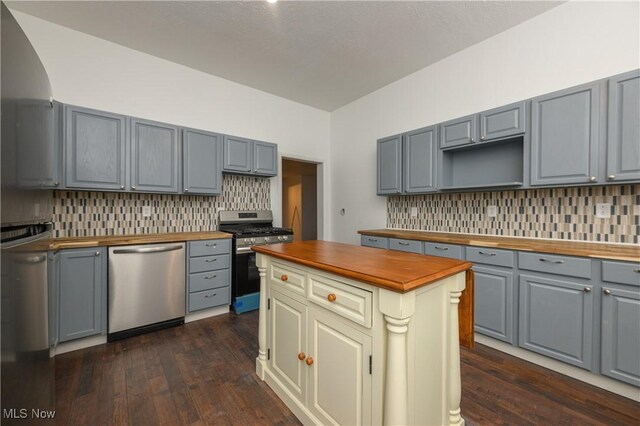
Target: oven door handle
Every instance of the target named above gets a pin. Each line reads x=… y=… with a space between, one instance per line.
x=243 y=250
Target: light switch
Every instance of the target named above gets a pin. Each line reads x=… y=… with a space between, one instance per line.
x=603 y=210
x=492 y=211
x=414 y=212
x=146 y=211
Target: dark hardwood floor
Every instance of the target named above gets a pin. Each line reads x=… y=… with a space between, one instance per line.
x=203 y=373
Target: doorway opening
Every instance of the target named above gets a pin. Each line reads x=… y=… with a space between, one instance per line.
x=300 y=198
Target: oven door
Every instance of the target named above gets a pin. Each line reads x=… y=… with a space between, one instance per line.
x=247 y=276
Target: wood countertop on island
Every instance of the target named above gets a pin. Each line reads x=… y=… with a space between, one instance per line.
x=122 y=240
x=393 y=270
x=624 y=252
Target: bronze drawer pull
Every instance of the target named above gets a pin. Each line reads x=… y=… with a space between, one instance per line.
x=331 y=297
x=441 y=248
x=488 y=253
x=283 y=277
x=403 y=243
x=542 y=259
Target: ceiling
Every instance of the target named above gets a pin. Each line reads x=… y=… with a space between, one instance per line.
x=320 y=53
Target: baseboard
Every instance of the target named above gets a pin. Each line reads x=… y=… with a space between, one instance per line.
x=75 y=345
x=207 y=313
x=622 y=389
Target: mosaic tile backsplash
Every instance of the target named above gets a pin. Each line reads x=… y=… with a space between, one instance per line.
x=559 y=213
x=79 y=214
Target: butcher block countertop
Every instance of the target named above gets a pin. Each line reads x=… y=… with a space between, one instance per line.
x=123 y=240
x=393 y=270
x=625 y=252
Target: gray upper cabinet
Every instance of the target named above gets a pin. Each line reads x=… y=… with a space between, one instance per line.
x=556 y=319
x=461 y=131
x=95 y=149
x=238 y=154
x=623 y=139
x=52 y=168
x=564 y=136
x=82 y=292
x=389 y=165
x=201 y=162
x=621 y=335
x=265 y=158
x=154 y=156
x=419 y=152
x=503 y=122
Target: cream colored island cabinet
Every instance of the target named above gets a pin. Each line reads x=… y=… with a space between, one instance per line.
x=352 y=335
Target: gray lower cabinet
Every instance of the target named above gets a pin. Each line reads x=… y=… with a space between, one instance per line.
x=154 y=156
x=377 y=242
x=246 y=156
x=565 y=129
x=419 y=162
x=208 y=274
x=94 y=149
x=411 y=246
x=556 y=318
x=82 y=281
x=201 y=162
x=461 y=131
x=503 y=122
x=623 y=138
x=389 y=165
x=493 y=302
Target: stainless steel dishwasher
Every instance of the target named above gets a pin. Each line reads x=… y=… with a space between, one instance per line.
x=146 y=288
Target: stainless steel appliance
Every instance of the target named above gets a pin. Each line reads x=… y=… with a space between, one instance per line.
x=27 y=370
x=249 y=228
x=146 y=288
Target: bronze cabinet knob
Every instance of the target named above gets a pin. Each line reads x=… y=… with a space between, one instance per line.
x=331 y=297
x=283 y=277
x=301 y=356
x=309 y=361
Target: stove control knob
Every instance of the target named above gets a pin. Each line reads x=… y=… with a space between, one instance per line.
x=267 y=239
x=280 y=238
x=246 y=241
x=253 y=241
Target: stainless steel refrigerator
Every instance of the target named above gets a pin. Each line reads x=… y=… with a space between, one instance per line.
x=26 y=149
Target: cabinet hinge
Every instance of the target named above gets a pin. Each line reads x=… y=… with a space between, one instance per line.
x=269 y=304
x=370 y=363
x=268 y=354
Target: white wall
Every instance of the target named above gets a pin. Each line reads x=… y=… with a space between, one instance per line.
x=574 y=43
x=92 y=72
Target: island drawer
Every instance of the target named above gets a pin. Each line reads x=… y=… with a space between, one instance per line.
x=551 y=264
x=208 y=280
x=411 y=246
x=209 y=298
x=443 y=250
x=343 y=299
x=209 y=247
x=621 y=272
x=490 y=256
x=208 y=263
x=377 y=242
x=288 y=278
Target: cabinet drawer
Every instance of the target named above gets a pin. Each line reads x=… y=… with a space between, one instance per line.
x=288 y=278
x=209 y=247
x=377 y=242
x=443 y=250
x=208 y=299
x=562 y=265
x=490 y=256
x=208 y=263
x=621 y=272
x=345 y=300
x=405 y=245
x=208 y=280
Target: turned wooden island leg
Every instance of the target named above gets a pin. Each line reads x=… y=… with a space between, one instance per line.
x=261 y=361
x=455 y=382
x=397 y=385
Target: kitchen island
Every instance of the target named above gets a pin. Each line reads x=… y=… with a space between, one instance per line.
x=356 y=335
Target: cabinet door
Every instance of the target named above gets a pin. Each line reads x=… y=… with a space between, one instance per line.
x=238 y=154
x=389 y=165
x=503 y=122
x=461 y=131
x=493 y=303
x=340 y=379
x=53 y=281
x=556 y=319
x=265 y=158
x=52 y=146
x=154 y=156
x=564 y=136
x=621 y=335
x=94 y=149
x=83 y=300
x=419 y=152
x=623 y=140
x=288 y=343
x=201 y=162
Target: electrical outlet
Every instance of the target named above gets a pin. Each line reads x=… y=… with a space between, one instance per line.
x=603 y=210
x=492 y=211
x=414 y=212
x=146 y=211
